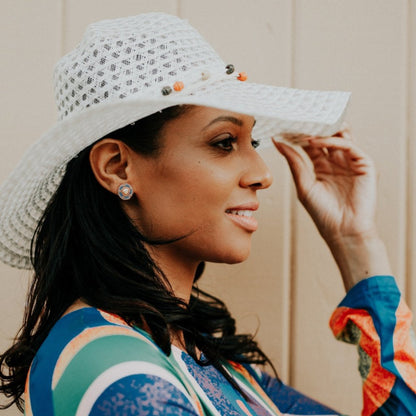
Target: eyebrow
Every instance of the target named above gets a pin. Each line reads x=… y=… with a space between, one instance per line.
x=230 y=119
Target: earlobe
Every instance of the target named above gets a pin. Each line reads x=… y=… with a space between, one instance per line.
x=108 y=160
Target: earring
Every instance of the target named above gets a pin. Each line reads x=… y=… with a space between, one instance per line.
x=125 y=191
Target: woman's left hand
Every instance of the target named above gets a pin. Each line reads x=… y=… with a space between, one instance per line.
x=337 y=186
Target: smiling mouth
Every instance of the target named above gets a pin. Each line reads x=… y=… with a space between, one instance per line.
x=243 y=218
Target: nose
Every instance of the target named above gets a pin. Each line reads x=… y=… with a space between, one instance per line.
x=256 y=174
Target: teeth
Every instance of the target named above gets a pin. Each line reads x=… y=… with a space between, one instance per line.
x=245 y=213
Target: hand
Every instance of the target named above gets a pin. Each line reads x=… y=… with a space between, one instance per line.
x=337 y=186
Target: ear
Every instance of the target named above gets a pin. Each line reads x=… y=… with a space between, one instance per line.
x=109 y=161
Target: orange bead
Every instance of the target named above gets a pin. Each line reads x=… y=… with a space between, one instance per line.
x=178 y=86
x=242 y=76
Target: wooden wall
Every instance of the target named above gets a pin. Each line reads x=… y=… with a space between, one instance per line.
x=288 y=288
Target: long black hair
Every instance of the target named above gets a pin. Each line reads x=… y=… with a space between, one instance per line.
x=86 y=247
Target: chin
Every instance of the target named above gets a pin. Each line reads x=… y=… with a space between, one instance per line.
x=232 y=256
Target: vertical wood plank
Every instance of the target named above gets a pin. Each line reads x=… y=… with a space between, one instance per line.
x=256 y=38
x=30 y=45
x=30 y=41
x=79 y=14
x=361 y=47
x=411 y=188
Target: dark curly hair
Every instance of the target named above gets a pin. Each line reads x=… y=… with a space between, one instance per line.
x=85 y=247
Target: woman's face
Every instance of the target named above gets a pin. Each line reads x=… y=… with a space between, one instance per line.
x=201 y=189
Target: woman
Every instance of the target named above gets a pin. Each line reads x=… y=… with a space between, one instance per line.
x=151 y=171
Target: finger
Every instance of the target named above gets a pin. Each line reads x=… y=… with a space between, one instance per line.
x=344 y=132
x=295 y=138
x=340 y=149
x=316 y=153
x=336 y=143
x=325 y=151
x=302 y=173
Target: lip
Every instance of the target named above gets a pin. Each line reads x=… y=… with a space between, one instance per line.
x=248 y=206
x=248 y=223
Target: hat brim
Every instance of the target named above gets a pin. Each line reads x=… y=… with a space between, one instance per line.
x=26 y=192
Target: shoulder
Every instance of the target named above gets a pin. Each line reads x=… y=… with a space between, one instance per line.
x=88 y=352
x=91 y=336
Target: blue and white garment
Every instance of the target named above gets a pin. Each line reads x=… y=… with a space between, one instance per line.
x=93 y=363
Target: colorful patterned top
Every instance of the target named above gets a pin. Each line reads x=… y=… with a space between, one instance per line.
x=93 y=363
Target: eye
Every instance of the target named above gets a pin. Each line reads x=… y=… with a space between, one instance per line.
x=225 y=142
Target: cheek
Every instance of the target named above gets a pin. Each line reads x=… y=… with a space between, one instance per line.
x=181 y=200
x=206 y=189
x=197 y=184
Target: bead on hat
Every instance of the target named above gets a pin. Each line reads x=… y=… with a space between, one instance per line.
x=205 y=75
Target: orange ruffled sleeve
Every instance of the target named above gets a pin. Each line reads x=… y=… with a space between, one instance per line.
x=374 y=316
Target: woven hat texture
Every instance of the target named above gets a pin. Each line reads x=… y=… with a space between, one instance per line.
x=114 y=77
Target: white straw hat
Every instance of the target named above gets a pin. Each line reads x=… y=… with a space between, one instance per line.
x=119 y=73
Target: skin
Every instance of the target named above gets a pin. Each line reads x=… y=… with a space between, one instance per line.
x=337 y=186
x=208 y=165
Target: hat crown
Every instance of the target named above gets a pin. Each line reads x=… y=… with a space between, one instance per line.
x=134 y=56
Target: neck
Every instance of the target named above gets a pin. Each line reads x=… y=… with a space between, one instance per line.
x=180 y=272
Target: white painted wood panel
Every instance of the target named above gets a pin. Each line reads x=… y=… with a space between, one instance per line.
x=411 y=113
x=30 y=41
x=29 y=44
x=361 y=47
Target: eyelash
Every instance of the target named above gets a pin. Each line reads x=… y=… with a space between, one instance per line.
x=229 y=141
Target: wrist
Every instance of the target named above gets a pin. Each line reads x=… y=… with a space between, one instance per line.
x=359 y=257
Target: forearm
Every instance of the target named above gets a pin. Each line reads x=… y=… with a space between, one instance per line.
x=360 y=257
